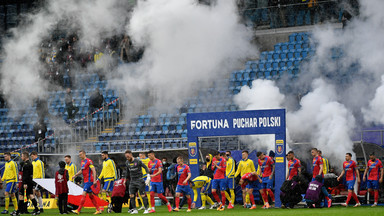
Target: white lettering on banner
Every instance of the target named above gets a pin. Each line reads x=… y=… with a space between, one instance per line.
x=209 y=124
x=269 y=122
x=244 y=122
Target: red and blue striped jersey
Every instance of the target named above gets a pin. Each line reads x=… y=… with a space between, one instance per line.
x=153 y=167
x=374 y=169
x=349 y=168
x=219 y=173
x=86 y=166
x=266 y=166
x=316 y=162
x=293 y=166
x=183 y=171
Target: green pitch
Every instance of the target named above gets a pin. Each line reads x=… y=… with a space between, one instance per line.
x=239 y=211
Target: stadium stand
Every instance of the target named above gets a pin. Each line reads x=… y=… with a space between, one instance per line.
x=150 y=130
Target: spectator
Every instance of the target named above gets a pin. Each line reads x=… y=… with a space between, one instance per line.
x=69 y=105
x=100 y=63
x=313 y=8
x=40 y=129
x=2 y=100
x=41 y=108
x=283 y=12
x=346 y=19
x=273 y=13
x=95 y=101
x=125 y=45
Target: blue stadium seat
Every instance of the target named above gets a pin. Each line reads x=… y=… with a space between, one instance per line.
x=283 y=56
x=263 y=56
x=292 y=37
x=284 y=47
x=277 y=47
x=291 y=46
x=276 y=55
x=262 y=65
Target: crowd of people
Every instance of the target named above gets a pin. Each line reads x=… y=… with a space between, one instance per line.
x=288 y=13
x=144 y=178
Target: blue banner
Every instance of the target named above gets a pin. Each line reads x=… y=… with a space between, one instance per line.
x=236 y=123
x=239 y=123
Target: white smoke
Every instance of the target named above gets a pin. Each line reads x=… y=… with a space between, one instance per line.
x=335 y=93
x=323 y=121
x=93 y=19
x=187 y=46
x=374 y=112
x=263 y=95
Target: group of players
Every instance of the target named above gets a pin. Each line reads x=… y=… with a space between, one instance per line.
x=144 y=175
x=20 y=179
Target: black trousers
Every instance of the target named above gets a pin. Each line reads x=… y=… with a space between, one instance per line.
x=117 y=203
x=63 y=202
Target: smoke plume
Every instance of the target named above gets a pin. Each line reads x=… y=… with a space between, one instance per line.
x=187 y=46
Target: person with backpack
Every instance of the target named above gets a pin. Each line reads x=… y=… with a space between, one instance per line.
x=316 y=192
x=61 y=183
x=117 y=198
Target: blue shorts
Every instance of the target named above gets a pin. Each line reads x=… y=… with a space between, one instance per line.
x=11 y=187
x=255 y=185
x=207 y=189
x=184 y=189
x=373 y=184
x=219 y=184
x=230 y=183
x=108 y=185
x=267 y=183
x=156 y=187
x=350 y=184
x=87 y=187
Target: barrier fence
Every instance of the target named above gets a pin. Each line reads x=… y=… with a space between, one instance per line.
x=84 y=128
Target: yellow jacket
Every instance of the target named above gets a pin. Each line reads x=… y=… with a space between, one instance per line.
x=72 y=170
x=231 y=168
x=109 y=172
x=96 y=57
x=38 y=169
x=325 y=166
x=10 y=172
x=199 y=182
x=245 y=166
x=145 y=161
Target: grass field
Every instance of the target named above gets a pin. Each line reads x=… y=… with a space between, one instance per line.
x=239 y=211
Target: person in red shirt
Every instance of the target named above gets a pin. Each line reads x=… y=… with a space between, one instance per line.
x=61 y=183
x=183 y=187
x=267 y=167
x=294 y=165
x=250 y=181
x=156 y=186
x=351 y=172
x=219 y=166
x=317 y=164
x=374 y=176
x=89 y=176
x=118 y=193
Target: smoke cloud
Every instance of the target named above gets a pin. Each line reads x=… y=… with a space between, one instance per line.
x=187 y=46
x=93 y=20
x=332 y=93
